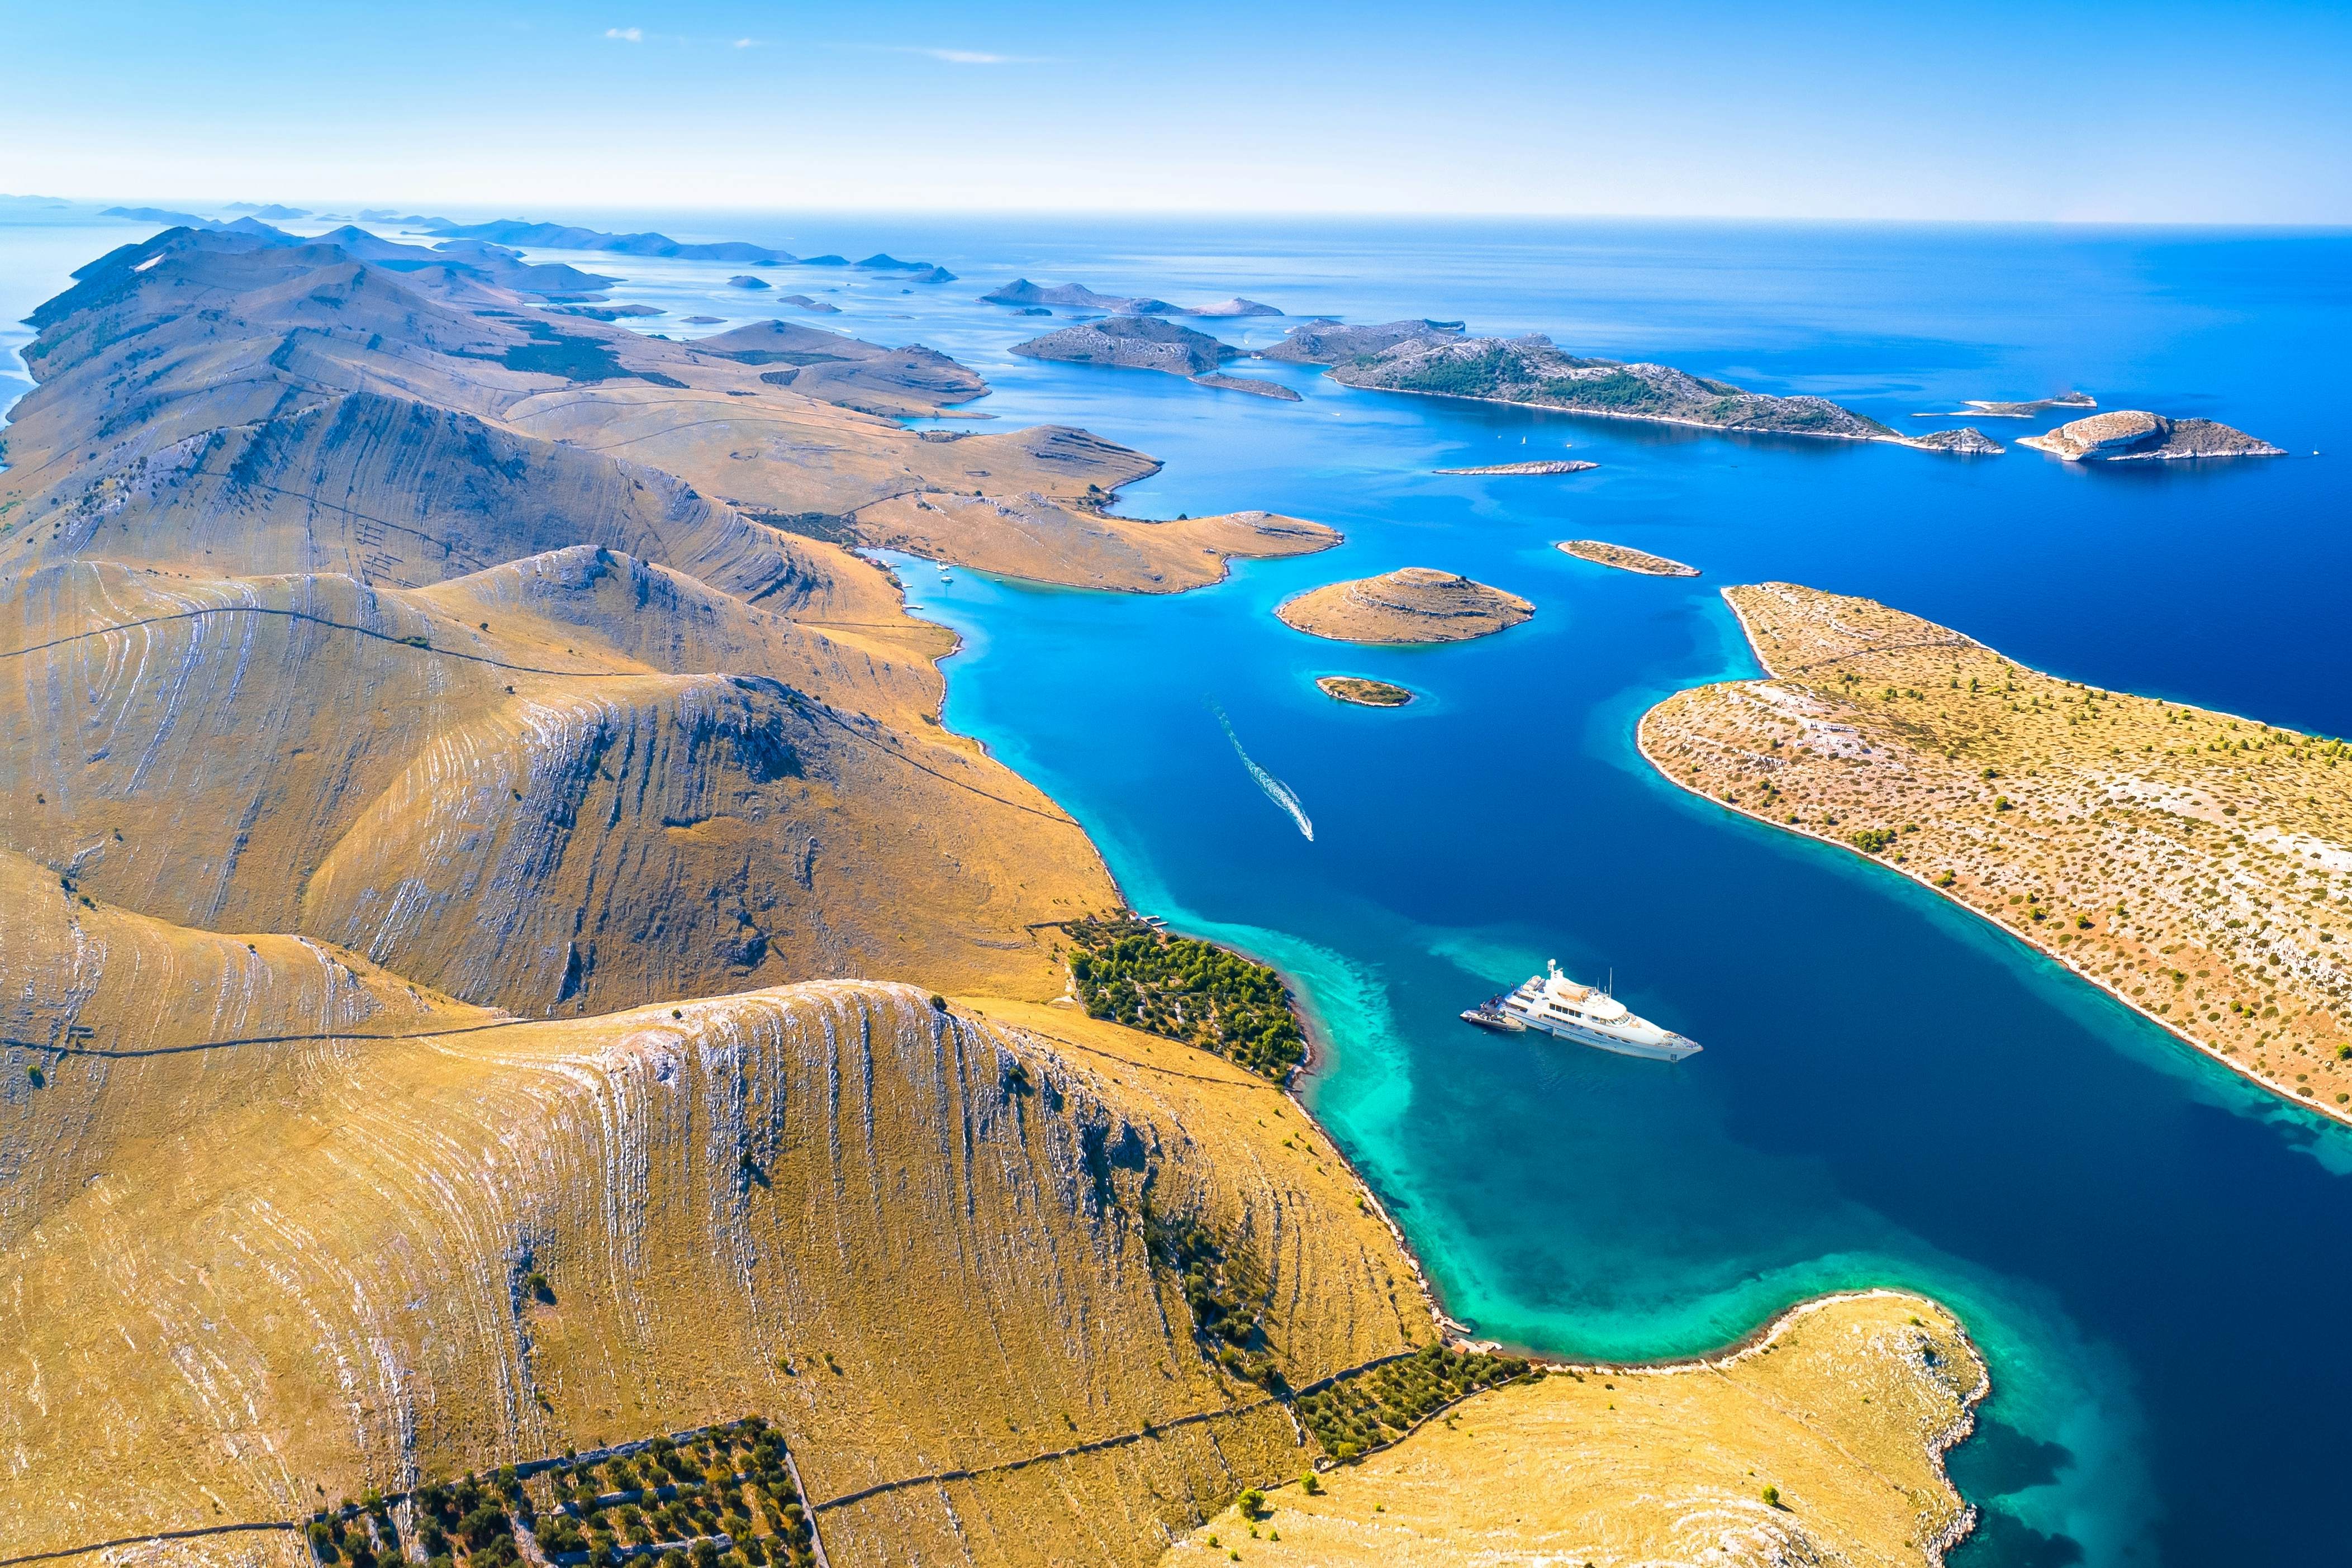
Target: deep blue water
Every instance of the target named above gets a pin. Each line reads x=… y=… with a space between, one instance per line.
x=2157 y=1259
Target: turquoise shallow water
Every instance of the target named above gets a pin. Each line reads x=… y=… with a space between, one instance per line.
x=2156 y=1258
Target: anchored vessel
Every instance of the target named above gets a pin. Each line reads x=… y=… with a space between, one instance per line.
x=1585 y=1013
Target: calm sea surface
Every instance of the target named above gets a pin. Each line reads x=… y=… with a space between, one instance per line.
x=2157 y=1260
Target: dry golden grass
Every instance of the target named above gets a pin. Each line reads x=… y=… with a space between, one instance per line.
x=1411 y=605
x=2195 y=864
x=1845 y=1414
x=629 y=787
x=247 y=1273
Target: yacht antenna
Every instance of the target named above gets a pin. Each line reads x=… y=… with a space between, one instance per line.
x=1613 y=980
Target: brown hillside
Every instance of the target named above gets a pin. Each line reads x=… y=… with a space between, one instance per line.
x=246 y=1273
x=529 y=816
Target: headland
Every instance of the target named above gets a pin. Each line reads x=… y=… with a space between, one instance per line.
x=1856 y=1398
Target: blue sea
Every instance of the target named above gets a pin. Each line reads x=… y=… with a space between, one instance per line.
x=2157 y=1259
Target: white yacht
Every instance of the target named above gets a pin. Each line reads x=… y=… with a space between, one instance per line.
x=1589 y=1016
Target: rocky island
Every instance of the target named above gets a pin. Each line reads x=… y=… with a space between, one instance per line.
x=1539 y=466
x=1233 y=307
x=1146 y=342
x=2133 y=434
x=1134 y=342
x=1026 y=295
x=1412 y=604
x=2196 y=866
x=1625 y=558
x=1983 y=409
x=1967 y=441
x=1436 y=359
x=1363 y=691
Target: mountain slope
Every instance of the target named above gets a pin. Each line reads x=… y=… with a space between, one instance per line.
x=321 y=1249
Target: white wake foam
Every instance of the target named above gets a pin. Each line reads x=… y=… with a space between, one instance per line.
x=1281 y=794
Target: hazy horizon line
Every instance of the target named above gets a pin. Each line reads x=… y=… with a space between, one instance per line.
x=529 y=211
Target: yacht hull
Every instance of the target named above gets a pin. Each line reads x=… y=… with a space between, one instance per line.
x=1672 y=1049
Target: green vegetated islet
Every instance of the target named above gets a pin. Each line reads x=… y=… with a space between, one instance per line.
x=1187 y=990
x=1373 y=1408
x=723 y=1498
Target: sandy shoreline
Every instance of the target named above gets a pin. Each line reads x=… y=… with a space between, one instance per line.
x=2285 y=1092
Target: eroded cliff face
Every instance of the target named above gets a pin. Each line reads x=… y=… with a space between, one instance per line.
x=301 y=1255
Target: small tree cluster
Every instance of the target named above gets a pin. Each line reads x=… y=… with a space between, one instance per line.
x=1369 y=1409
x=1197 y=992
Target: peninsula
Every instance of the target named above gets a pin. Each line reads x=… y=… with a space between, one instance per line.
x=1856 y=1398
x=1625 y=558
x=2133 y=434
x=1331 y=343
x=2197 y=866
x=1076 y=543
x=1363 y=691
x=1412 y=604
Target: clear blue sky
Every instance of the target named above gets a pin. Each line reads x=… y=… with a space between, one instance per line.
x=2152 y=111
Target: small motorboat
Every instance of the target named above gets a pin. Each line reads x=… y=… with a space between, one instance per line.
x=1489 y=1014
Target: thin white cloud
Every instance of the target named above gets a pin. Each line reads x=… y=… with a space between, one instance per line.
x=627 y=35
x=745 y=43
x=972 y=57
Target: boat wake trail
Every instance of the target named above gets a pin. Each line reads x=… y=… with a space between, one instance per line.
x=1281 y=794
